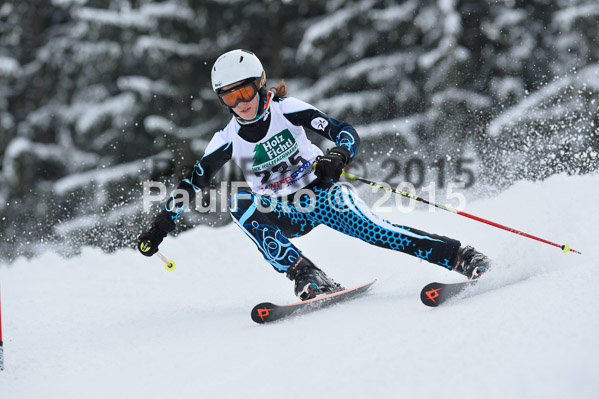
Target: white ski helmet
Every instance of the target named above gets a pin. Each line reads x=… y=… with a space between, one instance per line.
x=235 y=66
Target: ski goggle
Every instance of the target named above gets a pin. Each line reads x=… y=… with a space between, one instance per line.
x=232 y=97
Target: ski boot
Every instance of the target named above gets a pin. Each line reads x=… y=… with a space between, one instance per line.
x=471 y=263
x=310 y=281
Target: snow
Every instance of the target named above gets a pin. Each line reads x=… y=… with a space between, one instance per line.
x=145 y=18
x=146 y=87
x=175 y=10
x=451 y=31
x=389 y=17
x=473 y=99
x=81 y=223
x=119 y=105
x=344 y=104
x=157 y=44
x=502 y=23
x=105 y=175
x=507 y=86
x=566 y=18
x=7 y=122
x=119 y=325
x=159 y=126
x=323 y=29
x=376 y=70
x=403 y=128
x=124 y=19
x=532 y=107
x=156 y=123
x=51 y=152
x=8 y=66
x=65 y=3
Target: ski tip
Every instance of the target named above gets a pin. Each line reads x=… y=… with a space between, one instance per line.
x=435 y=294
x=430 y=294
x=261 y=312
x=267 y=312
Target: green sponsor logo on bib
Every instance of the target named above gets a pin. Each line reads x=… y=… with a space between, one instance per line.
x=274 y=150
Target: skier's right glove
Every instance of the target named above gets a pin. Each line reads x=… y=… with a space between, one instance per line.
x=148 y=242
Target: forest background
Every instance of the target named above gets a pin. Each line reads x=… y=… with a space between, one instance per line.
x=97 y=97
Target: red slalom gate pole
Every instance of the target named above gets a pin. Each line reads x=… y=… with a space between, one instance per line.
x=1 y=345
x=566 y=248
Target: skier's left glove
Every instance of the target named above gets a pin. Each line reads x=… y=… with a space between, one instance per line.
x=330 y=166
x=148 y=242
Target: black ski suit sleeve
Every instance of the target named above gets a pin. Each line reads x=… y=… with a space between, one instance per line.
x=199 y=177
x=339 y=132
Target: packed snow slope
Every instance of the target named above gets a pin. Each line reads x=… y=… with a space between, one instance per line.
x=120 y=326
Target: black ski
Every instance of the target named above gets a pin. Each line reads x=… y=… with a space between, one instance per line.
x=434 y=294
x=267 y=312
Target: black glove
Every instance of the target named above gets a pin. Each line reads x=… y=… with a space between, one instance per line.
x=330 y=166
x=148 y=242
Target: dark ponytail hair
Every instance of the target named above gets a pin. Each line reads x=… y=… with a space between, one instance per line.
x=280 y=90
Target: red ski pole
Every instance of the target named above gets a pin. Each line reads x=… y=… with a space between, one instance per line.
x=1 y=345
x=566 y=248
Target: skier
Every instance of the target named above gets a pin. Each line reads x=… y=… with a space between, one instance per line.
x=288 y=195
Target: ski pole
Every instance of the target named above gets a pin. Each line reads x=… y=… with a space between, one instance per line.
x=168 y=264
x=566 y=248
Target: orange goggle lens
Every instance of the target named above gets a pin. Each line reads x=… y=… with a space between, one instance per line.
x=234 y=96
